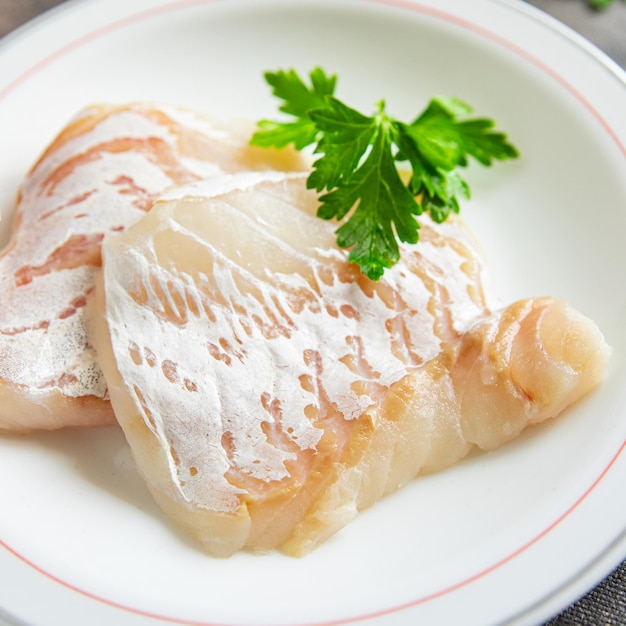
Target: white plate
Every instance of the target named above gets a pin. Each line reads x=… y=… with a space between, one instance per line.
x=511 y=536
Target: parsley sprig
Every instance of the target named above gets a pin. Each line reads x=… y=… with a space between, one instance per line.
x=600 y=4
x=357 y=172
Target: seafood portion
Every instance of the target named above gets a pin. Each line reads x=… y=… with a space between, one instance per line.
x=96 y=178
x=269 y=391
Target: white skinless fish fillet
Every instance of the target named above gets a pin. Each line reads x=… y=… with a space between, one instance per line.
x=269 y=391
x=98 y=176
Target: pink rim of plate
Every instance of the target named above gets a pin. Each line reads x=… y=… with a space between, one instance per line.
x=406 y=5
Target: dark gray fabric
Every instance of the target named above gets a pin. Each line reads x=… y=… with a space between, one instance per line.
x=603 y=606
x=606 y=28
x=14 y=13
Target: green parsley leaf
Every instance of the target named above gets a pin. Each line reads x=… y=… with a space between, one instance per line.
x=345 y=137
x=357 y=174
x=298 y=101
x=600 y=4
x=384 y=206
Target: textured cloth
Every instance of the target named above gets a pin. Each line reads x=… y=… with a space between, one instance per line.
x=603 y=606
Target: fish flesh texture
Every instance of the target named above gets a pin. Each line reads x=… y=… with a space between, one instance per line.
x=97 y=177
x=269 y=391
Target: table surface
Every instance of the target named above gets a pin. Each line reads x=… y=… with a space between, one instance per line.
x=606 y=604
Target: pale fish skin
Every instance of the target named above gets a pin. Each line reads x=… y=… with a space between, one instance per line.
x=269 y=391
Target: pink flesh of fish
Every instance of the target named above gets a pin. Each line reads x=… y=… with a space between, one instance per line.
x=99 y=176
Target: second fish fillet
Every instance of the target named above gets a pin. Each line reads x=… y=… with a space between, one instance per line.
x=99 y=176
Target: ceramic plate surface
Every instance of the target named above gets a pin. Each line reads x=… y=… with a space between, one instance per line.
x=510 y=536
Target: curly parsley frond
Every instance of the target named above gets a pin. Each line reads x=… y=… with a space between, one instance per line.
x=357 y=173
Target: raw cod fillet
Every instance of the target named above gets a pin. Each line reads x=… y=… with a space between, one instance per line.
x=269 y=391
x=97 y=177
